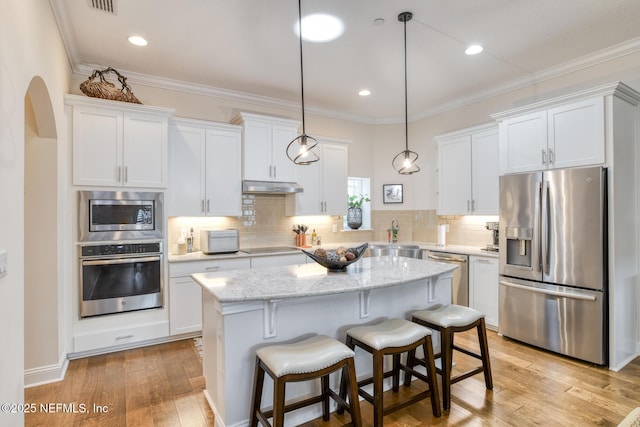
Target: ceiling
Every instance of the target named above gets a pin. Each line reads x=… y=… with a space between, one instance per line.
x=247 y=49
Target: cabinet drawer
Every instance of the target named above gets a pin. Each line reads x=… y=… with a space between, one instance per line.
x=180 y=269
x=121 y=336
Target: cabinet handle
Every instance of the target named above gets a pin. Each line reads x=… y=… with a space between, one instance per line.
x=325 y=207
x=208 y=205
x=126 y=173
x=124 y=337
x=544 y=157
x=119 y=173
x=275 y=172
x=270 y=171
x=550 y=156
x=473 y=205
x=468 y=205
x=482 y=261
x=215 y=267
x=202 y=205
x=321 y=206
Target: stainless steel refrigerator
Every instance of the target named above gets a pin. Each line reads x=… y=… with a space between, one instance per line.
x=553 y=261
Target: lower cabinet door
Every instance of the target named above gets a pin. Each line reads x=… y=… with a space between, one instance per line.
x=483 y=288
x=185 y=306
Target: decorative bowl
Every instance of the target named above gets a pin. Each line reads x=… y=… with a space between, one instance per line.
x=338 y=266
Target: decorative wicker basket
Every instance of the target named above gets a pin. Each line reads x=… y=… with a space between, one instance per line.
x=107 y=90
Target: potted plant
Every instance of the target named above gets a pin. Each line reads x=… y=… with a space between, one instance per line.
x=354 y=213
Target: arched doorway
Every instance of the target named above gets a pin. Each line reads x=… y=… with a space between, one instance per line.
x=41 y=284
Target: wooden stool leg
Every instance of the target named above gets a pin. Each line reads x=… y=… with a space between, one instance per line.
x=378 y=377
x=324 y=381
x=343 y=385
x=354 y=400
x=256 y=398
x=411 y=362
x=396 y=373
x=278 y=402
x=429 y=361
x=484 y=352
x=446 y=342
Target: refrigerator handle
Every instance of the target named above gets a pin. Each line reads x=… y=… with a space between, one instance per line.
x=565 y=294
x=544 y=228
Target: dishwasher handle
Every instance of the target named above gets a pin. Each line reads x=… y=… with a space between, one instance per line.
x=447 y=259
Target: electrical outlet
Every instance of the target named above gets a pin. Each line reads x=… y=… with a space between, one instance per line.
x=3 y=263
x=335 y=228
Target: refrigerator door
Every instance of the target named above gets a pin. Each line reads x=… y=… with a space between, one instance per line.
x=564 y=320
x=519 y=239
x=573 y=227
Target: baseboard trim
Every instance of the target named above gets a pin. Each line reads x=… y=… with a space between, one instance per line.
x=46 y=374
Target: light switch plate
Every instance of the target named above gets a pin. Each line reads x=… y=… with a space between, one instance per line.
x=3 y=263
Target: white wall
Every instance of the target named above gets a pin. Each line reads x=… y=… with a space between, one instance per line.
x=29 y=46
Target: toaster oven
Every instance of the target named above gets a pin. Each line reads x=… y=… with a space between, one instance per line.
x=219 y=241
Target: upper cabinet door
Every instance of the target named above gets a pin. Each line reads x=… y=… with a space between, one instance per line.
x=334 y=178
x=576 y=134
x=257 y=151
x=97 y=146
x=224 y=173
x=283 y=168
x=187 y=164
x=145 y=150
x=523 y=143
x=485 y=167
x=454 y=176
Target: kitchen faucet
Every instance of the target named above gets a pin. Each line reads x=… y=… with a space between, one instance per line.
x=395 y=225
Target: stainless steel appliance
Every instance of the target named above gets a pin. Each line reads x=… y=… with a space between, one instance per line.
x=119 y=215
x=120 y=277
x=219 y=241
x=495 y=231
x=460 y=282
x=553 y=261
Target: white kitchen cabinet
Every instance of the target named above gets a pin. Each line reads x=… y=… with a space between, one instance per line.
x=118 y=144
x=185 y=295
x=205 y=169
x=483 y=288
x=468 y=171
x=324 y=182
x=265 y=141
x=566 y=135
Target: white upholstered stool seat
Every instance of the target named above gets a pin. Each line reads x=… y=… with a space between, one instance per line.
x=305 y=360
x=390 y=333
x=449 y=315
x=447 y=320
x=309 y=355
x=393 y=337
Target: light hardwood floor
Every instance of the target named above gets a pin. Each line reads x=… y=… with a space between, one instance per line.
x=162 y=386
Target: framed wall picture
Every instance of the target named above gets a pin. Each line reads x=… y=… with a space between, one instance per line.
x=392 y=193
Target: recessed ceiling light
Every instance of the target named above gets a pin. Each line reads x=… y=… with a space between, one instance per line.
x=364 y=92
x=137 y=40
x=474 y=49
x=320 y=28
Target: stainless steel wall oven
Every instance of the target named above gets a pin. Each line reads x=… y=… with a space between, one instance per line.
x=120 y=277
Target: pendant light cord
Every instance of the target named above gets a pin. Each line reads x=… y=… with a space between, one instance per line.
x=304 y=132
x=406 y=113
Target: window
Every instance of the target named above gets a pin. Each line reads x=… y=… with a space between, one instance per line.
x=359 y=186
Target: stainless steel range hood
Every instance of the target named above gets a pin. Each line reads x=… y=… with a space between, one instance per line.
x=270 y=187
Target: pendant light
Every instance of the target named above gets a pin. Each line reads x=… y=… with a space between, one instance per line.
x=405 y=162
x=300 y=149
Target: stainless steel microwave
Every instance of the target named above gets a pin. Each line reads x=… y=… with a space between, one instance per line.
x=119 y=215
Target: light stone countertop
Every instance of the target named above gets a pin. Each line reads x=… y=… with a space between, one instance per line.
x=312 y=279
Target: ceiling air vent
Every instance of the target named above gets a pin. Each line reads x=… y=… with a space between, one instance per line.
x=108 y=6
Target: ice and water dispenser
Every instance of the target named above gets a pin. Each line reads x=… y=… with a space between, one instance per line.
x=519 y=246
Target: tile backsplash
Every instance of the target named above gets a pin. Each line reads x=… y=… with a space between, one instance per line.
x=263 y=223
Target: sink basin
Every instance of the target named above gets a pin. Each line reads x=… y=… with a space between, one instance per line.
x=408 y=251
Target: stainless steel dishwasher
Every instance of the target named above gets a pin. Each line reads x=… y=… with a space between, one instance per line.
x=460 y=282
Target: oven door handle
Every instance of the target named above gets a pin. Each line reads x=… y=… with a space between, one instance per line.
x=121 y=260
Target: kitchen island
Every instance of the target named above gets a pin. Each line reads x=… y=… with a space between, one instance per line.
x=247 y=309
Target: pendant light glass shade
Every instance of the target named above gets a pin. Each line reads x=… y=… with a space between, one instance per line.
x=300 y=149
x=405 y=162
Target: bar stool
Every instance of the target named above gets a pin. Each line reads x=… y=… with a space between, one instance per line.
x=393 y=337
x=311 y=358
x=449 y=319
